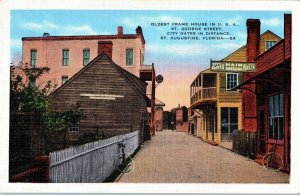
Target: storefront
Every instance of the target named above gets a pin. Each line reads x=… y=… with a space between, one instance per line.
x=270 y=86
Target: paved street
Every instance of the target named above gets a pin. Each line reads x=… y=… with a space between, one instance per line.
x=173 y=157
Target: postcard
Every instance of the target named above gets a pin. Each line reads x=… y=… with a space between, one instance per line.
x=162 y=96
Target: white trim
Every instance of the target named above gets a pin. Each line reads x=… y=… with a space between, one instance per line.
x=270 y=41
x=237 y=81
x=101 y=95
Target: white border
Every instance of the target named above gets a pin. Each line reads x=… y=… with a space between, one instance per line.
x=7 y=5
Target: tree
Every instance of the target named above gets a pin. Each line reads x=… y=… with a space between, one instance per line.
x=185 y=116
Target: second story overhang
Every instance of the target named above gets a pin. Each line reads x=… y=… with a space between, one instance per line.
x=146 y=72
x=203 y=88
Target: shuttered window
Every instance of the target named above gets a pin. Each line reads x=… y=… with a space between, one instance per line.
x=86 y=56
x=66 y=59
x=129 y=57
x=33 y=57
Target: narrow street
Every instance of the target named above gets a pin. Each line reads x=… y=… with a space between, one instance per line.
x=173 y=157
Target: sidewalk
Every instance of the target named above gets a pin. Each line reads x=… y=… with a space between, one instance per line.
x=173 y=157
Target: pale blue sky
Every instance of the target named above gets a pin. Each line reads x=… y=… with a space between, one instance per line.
x=177 y=57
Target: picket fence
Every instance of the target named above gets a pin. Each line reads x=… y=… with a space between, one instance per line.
x=91 y=162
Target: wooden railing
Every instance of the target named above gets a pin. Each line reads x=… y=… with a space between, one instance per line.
x=203 y=94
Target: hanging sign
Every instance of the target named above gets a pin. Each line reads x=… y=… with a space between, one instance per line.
x=223 y=66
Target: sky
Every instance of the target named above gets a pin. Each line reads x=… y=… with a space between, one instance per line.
x=179 y=61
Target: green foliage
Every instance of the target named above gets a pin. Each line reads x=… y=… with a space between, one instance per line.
x=27 y=100
x=185 y=115
x=86 y=138
x=58 y=121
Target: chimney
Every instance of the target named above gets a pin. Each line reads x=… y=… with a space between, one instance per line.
x=120 y=30
x=46 y=34
x=139 y=30
x=106 y=47
x=287 y=33
x=253 y=36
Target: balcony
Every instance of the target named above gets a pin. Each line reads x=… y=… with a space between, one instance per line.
x=204 y=94
x=203 y=88
x=146 y=72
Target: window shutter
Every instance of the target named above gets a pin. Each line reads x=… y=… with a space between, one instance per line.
x=222 y=81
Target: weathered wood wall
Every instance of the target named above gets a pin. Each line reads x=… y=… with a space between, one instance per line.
x=112 y=116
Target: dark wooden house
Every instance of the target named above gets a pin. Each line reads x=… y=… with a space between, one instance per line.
x=113 y=100
x=267 y=94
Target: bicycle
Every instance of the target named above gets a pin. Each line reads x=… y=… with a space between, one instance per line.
x=123 y=162
x=272 y=161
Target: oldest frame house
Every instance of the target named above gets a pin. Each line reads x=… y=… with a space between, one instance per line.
x=113 y=100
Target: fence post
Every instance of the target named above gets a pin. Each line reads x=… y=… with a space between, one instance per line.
x=43 y=163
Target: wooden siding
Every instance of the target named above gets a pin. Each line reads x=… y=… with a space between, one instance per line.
x=112 y=116
x=238 y=56
x=226 y=98
x=267 y=36
x=271 y=58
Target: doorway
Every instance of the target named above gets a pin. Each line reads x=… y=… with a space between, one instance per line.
x=229 y=122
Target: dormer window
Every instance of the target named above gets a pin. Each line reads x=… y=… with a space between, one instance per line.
x=270 y=44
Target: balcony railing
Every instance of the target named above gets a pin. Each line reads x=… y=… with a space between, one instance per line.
x=146 y=72
x=146 y=67
x=204 y=94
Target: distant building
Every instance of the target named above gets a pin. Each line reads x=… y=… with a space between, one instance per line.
x=159 y=118
x=217 y=108
x=180 y=124
x=113 y=100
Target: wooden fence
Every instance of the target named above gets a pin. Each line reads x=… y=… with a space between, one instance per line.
x=244 y=143
x=91 y=162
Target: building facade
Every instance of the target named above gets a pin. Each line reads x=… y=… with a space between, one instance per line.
x=267 y=94
x=217 y=108
x=113 y=100
x=66 y=55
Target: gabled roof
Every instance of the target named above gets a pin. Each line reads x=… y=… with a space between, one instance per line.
x=157 y=101
x=244 y=46
x=135 y=82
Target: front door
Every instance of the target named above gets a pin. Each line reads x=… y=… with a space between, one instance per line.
x=229 y=122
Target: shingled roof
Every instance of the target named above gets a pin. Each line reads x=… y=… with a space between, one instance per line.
x=135 y=82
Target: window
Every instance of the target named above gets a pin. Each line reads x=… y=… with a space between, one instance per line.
x=276 y=117
x=129 y=57
x=33 y=58
x=231 y=80
x=229 y=122
x=66 y=59
x=86 y=56
x=74 y=128
x=64 y=79
x=270 y=44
